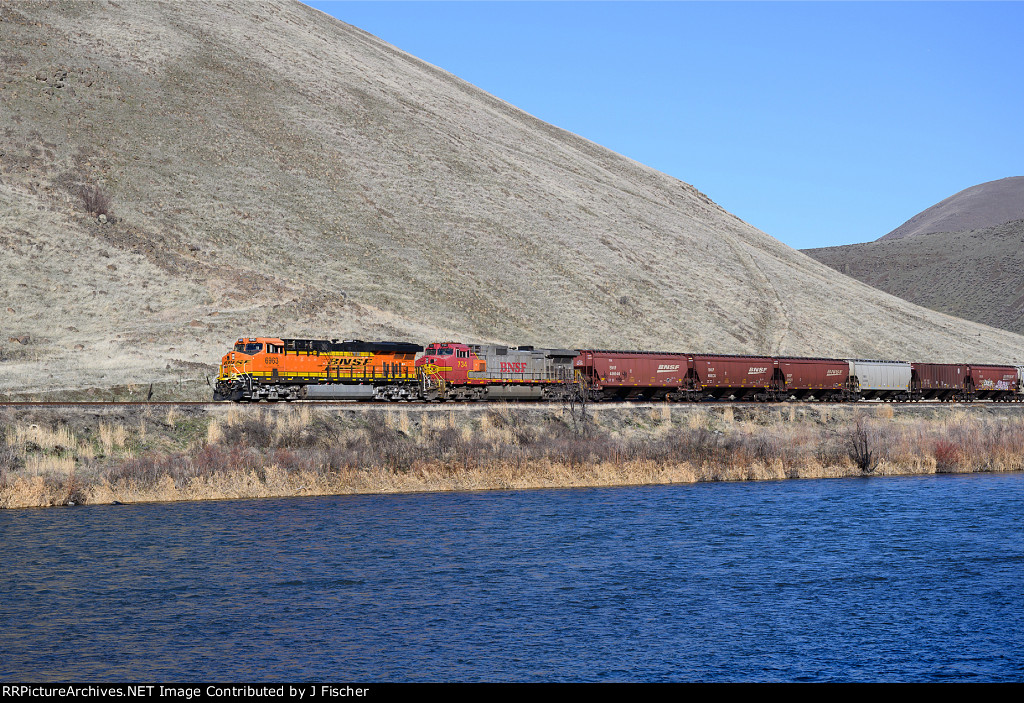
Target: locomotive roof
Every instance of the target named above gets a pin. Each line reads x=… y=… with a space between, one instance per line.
x=351 y=345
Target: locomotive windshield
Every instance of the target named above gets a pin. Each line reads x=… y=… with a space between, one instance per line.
x=444 y=351
x=251 y=348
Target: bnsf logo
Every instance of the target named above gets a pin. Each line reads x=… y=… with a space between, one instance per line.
x=349 y=361
x=757 y=369
x=667 y=368
x=513 y=367
x=834 y=372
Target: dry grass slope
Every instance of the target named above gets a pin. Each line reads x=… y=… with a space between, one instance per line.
x=268 y=169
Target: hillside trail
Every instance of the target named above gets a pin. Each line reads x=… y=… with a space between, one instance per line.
x=774 y=325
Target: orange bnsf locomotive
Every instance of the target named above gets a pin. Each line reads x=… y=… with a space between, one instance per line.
x=267 y=368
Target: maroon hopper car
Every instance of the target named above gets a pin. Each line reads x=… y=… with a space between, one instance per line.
x=824 y=379
x=993 y=382
x=944 y=382
x=741 y=377
x=634 y=375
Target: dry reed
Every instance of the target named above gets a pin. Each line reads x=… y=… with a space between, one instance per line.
x=254 y=452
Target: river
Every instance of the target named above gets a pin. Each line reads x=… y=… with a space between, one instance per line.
x=879 y=579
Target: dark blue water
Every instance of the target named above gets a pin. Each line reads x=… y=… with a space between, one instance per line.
x=893 y=579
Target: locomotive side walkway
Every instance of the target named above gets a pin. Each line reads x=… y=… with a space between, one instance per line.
x=104 y=453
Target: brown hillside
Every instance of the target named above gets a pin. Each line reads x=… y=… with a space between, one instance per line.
x=984 y=205
x=274 y=171
x=975 y=275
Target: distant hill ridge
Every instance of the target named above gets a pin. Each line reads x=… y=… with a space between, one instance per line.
x=271 y=170
x=984 y=205
x=972 y=273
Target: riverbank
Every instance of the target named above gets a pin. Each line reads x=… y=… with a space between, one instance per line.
x=95 y=454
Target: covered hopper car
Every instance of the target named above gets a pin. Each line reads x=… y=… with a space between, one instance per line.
x=630 y=375
x=966 y=382
x=870 y=379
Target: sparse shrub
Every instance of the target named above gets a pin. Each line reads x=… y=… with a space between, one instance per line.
x=829 y=452
x=77 y=493
x=95 y=199
x=249 y=431
x=145 y=470
x=392 y=448
x=947 y=455
x=700 y=446
x=10 y=461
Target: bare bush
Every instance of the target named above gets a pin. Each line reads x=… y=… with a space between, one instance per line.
x=948 y=455
x=575 y=402
x=10 y=462
x=95 y=199
x=862 y=446
x=249 y=431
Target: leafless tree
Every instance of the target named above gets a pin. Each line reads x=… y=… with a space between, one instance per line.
x=862 y=446
x=575 y=401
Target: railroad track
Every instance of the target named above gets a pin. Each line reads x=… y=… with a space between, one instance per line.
x=355 y=404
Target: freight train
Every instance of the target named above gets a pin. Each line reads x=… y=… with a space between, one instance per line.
x=272 y=369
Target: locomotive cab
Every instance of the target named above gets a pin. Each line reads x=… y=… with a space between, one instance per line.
x=249 y=356
x=246 y=353
x=448 y=361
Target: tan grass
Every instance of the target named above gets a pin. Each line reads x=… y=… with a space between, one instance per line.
x=214 y=433
x=112 y=437
x=61 y=464
x=42 y=437
x=271 y=452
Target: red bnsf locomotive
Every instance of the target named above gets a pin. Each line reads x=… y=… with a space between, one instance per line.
x=454 y=371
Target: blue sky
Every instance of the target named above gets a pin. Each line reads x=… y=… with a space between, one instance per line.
x=820 y=123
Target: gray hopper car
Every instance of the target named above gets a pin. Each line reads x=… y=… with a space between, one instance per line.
x=879 y=380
